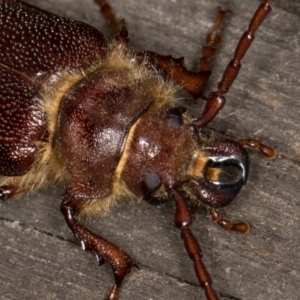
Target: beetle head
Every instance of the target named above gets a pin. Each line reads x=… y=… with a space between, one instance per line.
x=176 y=155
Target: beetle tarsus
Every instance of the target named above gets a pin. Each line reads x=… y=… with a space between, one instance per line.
x=213 y=39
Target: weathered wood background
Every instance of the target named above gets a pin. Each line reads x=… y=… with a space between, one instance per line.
x=39 y=258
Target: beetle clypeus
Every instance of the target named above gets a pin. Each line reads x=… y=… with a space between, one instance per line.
x=104 y=120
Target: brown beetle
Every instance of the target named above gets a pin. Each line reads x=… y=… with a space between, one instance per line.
x=105 y=121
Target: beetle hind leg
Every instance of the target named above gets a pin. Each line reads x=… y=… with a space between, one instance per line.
x=105 y=251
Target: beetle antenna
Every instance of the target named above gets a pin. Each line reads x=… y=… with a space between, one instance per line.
x=216 y=100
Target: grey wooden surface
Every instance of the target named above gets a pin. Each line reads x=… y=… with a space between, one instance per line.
x=39 y=258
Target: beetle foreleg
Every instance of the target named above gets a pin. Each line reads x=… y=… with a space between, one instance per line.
x=105 y=251
x=183 y=220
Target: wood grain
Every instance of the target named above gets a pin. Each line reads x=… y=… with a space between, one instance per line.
x=39 y=256
x=290 y=6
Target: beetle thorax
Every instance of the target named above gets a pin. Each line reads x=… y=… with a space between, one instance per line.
x=99 y=127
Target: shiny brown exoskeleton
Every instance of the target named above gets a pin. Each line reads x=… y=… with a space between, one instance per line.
x=105 y=121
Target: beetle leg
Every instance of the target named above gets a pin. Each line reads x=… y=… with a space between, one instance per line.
x=192 y=82
x=213 y=39
x=118 y=28
x=122 y=36
x=255 y=144
x=7 y=192
x=183 y=220
x=242 y=227
x=108 y=14
x=105 y=251
x=216 y=100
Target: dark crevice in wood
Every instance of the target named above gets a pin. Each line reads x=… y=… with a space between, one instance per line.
x=229 y=297
x=166 y=274
x=24 y=226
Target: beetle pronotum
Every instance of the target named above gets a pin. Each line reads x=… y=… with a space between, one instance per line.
x=104 y=121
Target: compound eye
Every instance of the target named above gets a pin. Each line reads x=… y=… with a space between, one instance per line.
x=152 y=183
x=174 y=117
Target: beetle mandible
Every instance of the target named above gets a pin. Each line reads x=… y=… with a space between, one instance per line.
x=104 y=120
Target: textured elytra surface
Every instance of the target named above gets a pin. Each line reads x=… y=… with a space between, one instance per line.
x=51 y=46
x=39 y=258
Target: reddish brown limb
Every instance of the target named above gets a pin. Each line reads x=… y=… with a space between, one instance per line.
x=108 y=14
x=213 y=39
x=183 y=220
x=122 y=35
x=118 y=28
x=192 y=82
x=255 y=144
x=7 y=192
x=242 y=227
x=214 y=105
x=105 y=251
